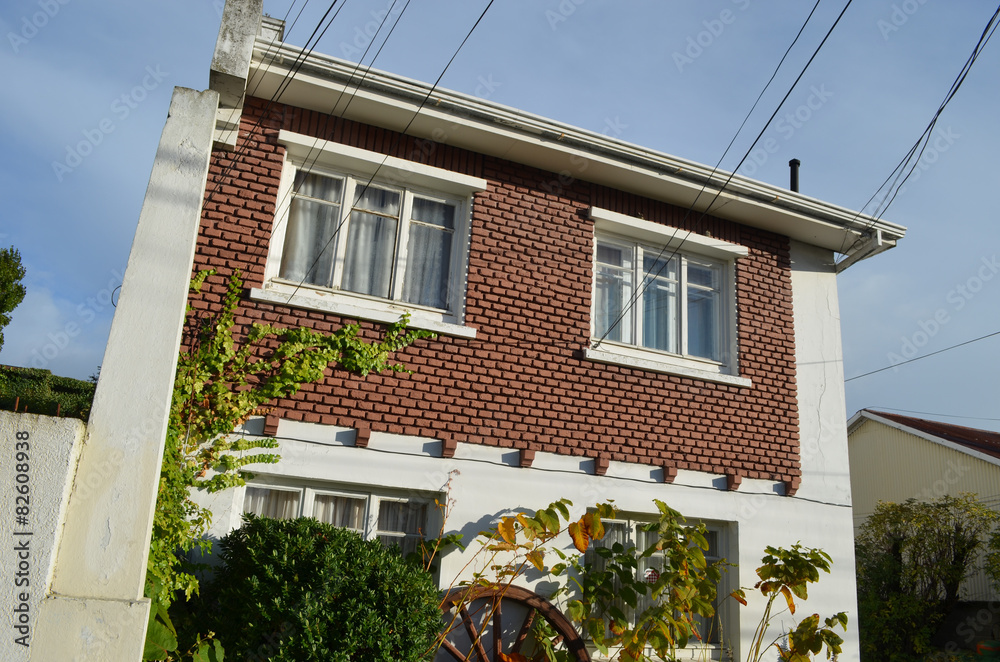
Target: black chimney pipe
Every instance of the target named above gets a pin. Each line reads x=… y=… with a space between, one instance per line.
x=794 y=165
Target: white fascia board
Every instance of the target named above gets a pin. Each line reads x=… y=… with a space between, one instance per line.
x=469 y=122
x=864 y=414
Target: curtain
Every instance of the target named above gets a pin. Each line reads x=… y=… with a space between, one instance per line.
x=280 y=504
x=428 y=259
x=345 y=512
x=405 y=520
x=659 y=304
x=614 y=288
x=312 y=223
x=371 y=242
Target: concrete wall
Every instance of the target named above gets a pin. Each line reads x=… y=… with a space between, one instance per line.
x=38 y=457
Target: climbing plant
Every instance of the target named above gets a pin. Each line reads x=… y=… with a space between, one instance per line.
x=221 y=381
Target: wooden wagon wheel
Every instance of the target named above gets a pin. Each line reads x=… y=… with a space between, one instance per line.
x=494 y=620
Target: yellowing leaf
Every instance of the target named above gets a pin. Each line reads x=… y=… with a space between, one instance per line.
x=581 y=539
x=788 y=599
x=537 y=559
x=594 y=526
x=506 y=529
x=740 y=597
x=512 y=657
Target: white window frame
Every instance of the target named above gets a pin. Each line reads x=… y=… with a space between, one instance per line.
x=641 y=236
x=725 y=612
x=356 y=167
x=372 y=497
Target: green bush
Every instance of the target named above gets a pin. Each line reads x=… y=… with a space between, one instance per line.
x=40 y=392
x=300 y=590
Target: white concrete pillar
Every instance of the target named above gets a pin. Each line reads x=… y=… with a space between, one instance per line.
x=94 y=609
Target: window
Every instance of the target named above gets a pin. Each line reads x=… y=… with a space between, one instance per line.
x=392 y=520
x=664 y=299
x=370 y=236
x=629 y=533
x=390 y=243
x=659 y=299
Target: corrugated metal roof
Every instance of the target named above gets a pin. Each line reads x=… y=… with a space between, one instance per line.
x=984 y=441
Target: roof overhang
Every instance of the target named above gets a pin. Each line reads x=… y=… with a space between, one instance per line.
x=330 y=85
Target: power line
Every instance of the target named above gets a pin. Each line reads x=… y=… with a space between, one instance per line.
x=925 y=356
x=646 y=280
x=282 y=86
x=915 y=153
x=385 y=158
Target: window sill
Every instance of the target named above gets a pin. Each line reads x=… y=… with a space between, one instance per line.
x=358 y=307
x=662 y=363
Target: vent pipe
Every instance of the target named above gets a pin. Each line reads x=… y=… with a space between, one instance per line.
x=794 y=167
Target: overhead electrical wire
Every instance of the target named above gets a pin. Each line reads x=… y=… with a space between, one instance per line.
x=646 y=280
x=309 y=162
x=286 y=80
x=385 y=158
x=912 y=157
x=925 y=356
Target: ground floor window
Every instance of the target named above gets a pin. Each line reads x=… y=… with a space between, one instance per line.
x=629 y=533
x=394 y=519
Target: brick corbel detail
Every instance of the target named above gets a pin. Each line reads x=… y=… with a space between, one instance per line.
x=669 y=474
x=792 y=486
x=362 y=437
x=733 y=482
x=527 y=456
x=448 y=446
x=271 y=424
x=601 y=464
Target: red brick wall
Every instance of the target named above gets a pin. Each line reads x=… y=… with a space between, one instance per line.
x=522 y=383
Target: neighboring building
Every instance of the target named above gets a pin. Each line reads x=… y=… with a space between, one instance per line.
x=717 y=388
x=895 y=458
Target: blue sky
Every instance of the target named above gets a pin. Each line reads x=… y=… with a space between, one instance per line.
x=88 y=85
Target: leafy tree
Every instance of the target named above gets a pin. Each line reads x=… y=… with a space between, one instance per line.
x=11 y=290
x=912 y=558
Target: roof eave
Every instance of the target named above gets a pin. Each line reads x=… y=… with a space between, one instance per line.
x=330 y=85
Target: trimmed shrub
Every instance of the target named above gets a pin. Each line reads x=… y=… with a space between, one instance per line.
x=40 y=392
x=300 y=590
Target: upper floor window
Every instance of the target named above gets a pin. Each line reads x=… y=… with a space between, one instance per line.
x=659 y=299
x=370 y=236
x=392 y=243
x=664 y=299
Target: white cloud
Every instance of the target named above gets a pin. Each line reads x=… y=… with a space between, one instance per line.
x=56 y=334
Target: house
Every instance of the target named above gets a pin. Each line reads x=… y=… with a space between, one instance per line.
x=601 y=333
x=896 y=457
